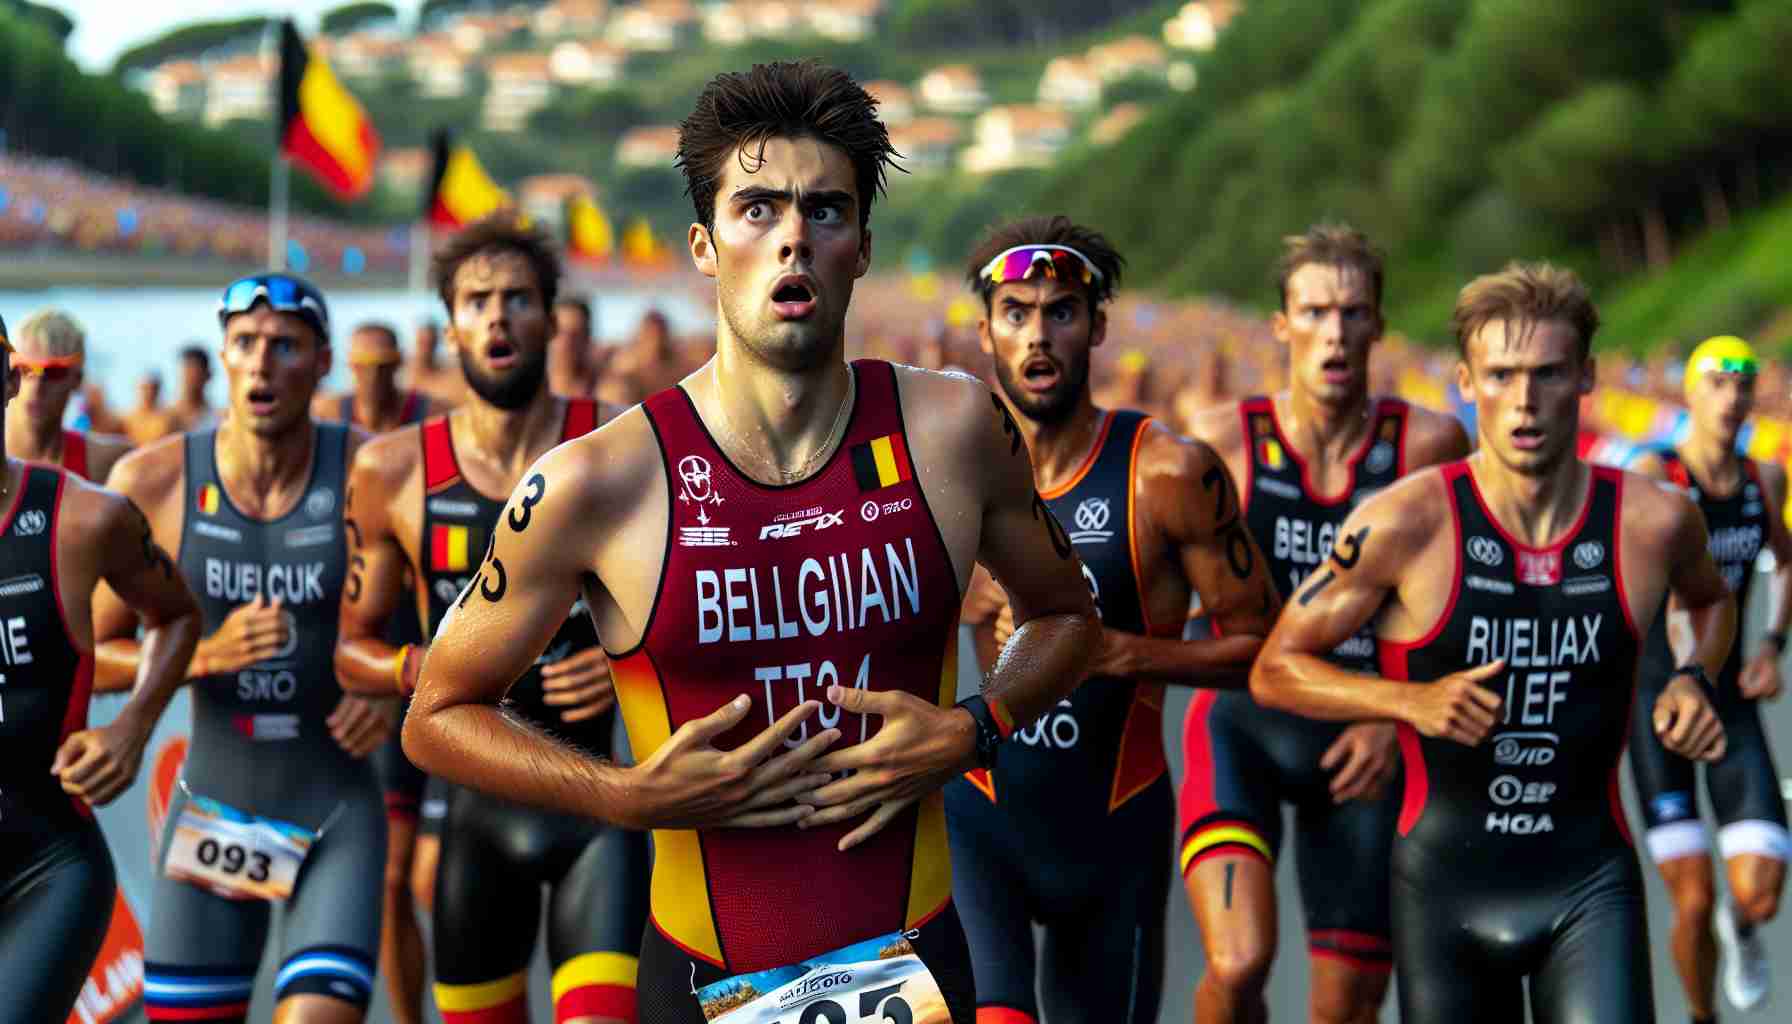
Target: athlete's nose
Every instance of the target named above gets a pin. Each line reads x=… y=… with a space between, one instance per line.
x=795 y=231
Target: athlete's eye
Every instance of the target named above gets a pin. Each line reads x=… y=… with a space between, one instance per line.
x=516 y=302
x=1015 y=317
x=1062 y=314
x=825 y=215
x=758 y=211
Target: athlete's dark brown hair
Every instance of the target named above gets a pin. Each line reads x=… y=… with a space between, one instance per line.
x=738 y=111
x=1337 y=245
x=1047 y=230
x=1525 y=294
x=503 y=231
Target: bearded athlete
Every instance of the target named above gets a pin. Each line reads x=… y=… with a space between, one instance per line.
x=1510 y=594
x=1304 y=459
x=774 y=551
x=424 y=499
x=50 y=352
x=62 y=536
x=1743 y=503
x=1069 y=829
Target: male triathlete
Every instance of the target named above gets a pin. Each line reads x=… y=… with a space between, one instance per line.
x=775 y=550
x=1743 y=502
x=61 y=537
x=1510 y=593
x=1071 y=828
x=377 y=404
x=424 y=502
x=190 y=407
x=1303 y=459
x=49 y=352
x=276 y=802
x=573 y=363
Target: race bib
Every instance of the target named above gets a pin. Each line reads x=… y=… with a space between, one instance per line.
x=880 y=981
x=236 y=855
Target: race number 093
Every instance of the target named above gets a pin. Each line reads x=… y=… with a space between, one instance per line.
x=895 y=1009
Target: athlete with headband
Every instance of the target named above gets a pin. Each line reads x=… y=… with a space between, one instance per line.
x=50 y=353
x=1743 y=502
x=414 y=808
x=1070 y=827
x=277 y=805
x=62 y=536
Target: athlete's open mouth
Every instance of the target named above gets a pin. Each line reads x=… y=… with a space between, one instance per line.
x=261 y=400
x=793 y=298
x=500 y=354
x=1039 y=373
x=1527 y=437
x=1335 y=369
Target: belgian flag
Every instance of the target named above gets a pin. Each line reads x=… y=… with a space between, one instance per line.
x=588 y=233
x=881 y=463
x=322 y=127
x=460 y=192
x=641 y=249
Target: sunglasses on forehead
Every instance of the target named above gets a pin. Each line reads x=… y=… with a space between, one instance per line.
x=283 y=293
x=50 y=368
x=1055 y=262
x=377 y=358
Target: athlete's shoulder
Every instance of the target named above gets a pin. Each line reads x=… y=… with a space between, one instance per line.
x=90 y=513
x=1654 y=512
x=326 y=407
x=1433 y=437
x=387 y=460
x=613 y=464
x=152 y=472
x=945 y=410
x=1220 y=426
x=1411 y=509
x=1162 y=451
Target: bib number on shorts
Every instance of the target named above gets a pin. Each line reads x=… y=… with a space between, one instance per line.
x=236 y=855
x=879 y=981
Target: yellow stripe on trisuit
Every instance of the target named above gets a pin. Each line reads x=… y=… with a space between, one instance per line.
x=471 y=998
x=616 y=969
x=1207 y=839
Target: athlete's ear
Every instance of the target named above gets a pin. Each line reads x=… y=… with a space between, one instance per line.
x=1278 y=325
x=703 y=250
x=1465 y=381
x=864 y=263
x=1098 y=328
x=984 y=341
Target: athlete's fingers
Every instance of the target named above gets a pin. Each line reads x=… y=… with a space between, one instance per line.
x=843 y=812
x=71 y=751
x=799 y=759
x=699 y=731
x=577 y=691
x=792 y=790
x=1351 y=779
x=586 y=664
x=885 y=814
x=1338 y=751
x=763 y=746
x=1487 y=671
x=866 y=702
x=588 y=711
x=1676 y=724
x=770 y=819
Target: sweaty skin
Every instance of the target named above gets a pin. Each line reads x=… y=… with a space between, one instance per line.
x=1398 y=565
x=1329 y=323
x=601 y=516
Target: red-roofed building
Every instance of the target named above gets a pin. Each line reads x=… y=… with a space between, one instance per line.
x=517 y=85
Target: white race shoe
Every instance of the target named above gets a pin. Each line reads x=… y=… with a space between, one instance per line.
x=1746 y=976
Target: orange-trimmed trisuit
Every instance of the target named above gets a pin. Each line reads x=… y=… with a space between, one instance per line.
x=778 y=592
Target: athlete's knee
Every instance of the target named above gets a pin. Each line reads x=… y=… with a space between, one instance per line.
x=1348 y=996
x=595 y=988
x=1240 y=967
x=1693 y=898
x=310 y=1008
x=423 y=878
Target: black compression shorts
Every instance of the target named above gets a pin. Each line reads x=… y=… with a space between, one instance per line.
x=55 y=906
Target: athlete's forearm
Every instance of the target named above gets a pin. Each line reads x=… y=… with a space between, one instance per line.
x=1311 y=686
x=1714 y=631
x=1222 y=662
x=1779 y=614
x=1042 y=663
x=115 y=665
x=161 y=658
x=367 y=665
x=480 y=745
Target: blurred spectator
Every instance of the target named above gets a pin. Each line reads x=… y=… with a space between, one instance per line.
x=574 y=362
x=190 y=408
x=150 y=421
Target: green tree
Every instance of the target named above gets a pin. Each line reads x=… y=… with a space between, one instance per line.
x=190 y=41
x=351 y=16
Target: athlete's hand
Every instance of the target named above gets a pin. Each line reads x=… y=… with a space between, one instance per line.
x=98 y=764
x=983 y=599
x=1761 y=677
x=919 y=748
x=1687 y=723
x=1004 y=625
x=1457 y=707
x=360 y=724
x=579 y=685
x=251 y=633
x=688 y=783
x=1361 y=760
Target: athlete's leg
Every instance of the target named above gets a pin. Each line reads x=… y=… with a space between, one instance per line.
x=1105 y=962
x=1596 y=970
x=201 y=951
x=401 y=940
x=989 y=888
x=1342 y=856
x=1756 y=881
x=1676 y=839
x=487 y=911
x=53 y=918
x=330 y=929
x=1231 y=828
x=596 y=912
x=1744 y=789
x=1692 y=892
x=427 y=851
x=1446 y=973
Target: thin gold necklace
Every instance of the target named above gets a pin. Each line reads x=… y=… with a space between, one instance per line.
x=827 y=445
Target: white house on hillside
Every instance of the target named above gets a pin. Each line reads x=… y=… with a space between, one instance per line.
x=517 y=85
x=953 y=89
x=239 y=88
x=1013 y=136
x=587 y=62
x=1071 y=83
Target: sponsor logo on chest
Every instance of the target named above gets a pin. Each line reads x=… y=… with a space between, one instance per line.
x=1090 y=522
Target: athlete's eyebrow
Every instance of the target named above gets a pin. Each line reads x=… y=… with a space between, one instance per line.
x=759 y=193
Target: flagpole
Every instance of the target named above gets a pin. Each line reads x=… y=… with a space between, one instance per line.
x=278 y=193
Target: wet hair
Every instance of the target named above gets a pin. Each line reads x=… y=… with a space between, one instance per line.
x=1337 y=245
x=500 y=232
x=1525 y=294
x=1047 y=230
x=55 y=330
x=739 y=111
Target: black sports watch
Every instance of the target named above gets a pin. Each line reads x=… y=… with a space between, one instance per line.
x=1778 y=639
x=989 y=734
x=1697 y=671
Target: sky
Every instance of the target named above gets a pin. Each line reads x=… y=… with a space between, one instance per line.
x=105 y=28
